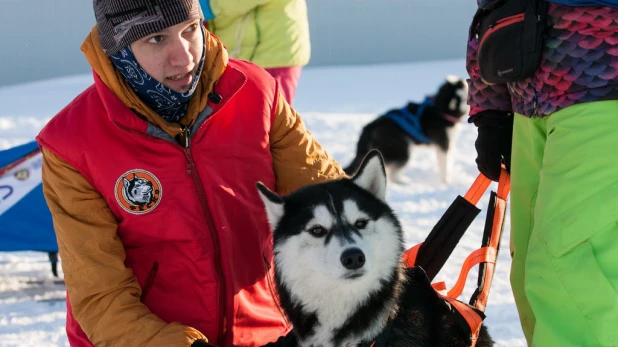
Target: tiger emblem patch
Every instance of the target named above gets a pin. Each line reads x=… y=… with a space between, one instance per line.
x=138 y=191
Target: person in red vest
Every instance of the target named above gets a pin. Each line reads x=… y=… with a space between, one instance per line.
x=150 y=176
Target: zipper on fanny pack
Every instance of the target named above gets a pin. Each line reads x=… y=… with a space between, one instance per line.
x=504 y=22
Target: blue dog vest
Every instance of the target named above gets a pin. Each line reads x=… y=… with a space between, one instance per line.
x=411 y=122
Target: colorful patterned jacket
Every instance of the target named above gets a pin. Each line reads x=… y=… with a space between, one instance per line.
x=579 y=64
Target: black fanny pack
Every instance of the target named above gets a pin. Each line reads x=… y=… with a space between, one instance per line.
x=510 y=37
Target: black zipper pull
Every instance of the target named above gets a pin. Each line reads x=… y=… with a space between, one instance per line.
x=184 y=135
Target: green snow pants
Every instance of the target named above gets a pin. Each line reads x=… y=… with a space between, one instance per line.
x=564 y=216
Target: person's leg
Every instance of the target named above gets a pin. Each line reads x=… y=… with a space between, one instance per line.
x=527 y=158
x=288 y=80
x=571 y=269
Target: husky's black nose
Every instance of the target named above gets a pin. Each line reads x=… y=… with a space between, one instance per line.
x=353 y=259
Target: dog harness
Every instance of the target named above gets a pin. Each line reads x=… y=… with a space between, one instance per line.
x=442 y=241
x=411 y=122
x=471 y=315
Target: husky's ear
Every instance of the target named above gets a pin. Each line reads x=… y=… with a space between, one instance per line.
x=273 y=204
x=453 y=79
x=371 y=175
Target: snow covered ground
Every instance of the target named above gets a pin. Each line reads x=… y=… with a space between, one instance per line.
x=335 y=103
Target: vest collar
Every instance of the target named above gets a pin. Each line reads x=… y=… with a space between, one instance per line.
x=228 y=86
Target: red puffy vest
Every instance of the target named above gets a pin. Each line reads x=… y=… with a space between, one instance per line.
x=192 y=223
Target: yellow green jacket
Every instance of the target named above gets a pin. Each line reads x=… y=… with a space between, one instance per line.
x=269 y=33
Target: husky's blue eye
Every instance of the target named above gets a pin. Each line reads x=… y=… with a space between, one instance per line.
x=361 y=224
x=318 y=231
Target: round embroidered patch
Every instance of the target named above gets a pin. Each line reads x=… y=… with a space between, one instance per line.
x=138 y=191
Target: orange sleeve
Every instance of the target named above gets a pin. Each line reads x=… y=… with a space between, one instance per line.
x=298 y=159
x=104 y=294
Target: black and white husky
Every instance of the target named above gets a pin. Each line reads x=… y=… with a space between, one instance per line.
x=338 y=268
x=396 y=132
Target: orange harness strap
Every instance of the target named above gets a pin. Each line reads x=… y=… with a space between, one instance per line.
x=481 y=255
x=409 y=256
x=473 y=196
x=477 y=189
x=473 y=319
x=504 y=187
x=487 y=255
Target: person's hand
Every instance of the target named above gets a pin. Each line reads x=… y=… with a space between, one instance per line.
x=494 y=141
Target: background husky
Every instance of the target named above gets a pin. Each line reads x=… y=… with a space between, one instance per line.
x=439 y=124
x=338 y=268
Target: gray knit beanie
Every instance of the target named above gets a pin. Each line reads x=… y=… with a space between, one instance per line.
x=122 y=22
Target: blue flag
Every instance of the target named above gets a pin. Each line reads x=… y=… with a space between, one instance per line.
x=25 y=220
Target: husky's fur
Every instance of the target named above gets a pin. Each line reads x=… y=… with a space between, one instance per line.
x=338 y=268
